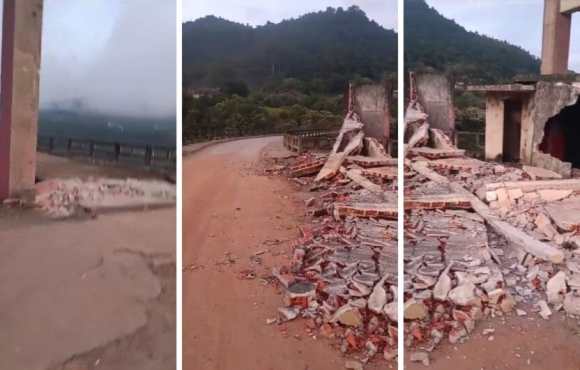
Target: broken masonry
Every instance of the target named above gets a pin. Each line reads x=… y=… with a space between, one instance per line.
x=482 y=239
x=342 y=275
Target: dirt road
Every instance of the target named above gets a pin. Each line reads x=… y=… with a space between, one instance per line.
x=229 y=214
x=518 y=343
x=87 y=294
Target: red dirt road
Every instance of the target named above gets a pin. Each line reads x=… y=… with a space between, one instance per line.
x=229 y=209
x=518 y=343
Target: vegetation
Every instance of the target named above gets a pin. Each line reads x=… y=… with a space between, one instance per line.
x=80 y=124
x=242 y=80
x=434 y=42
x=233 y=115
x=322 y=50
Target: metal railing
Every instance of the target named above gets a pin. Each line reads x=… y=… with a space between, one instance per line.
x=472 y=141
x=102 y=151
x=301 y=140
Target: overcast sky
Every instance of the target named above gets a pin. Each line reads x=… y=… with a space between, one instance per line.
x=117 y=55
x=258 y=12
x=517 y=21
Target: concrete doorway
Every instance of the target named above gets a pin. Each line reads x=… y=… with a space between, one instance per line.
x=512 y=130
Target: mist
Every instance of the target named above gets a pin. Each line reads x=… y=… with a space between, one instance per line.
x=110 y=56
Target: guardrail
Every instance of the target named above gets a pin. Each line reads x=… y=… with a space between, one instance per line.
x=201 y=136
x=102 y=151
x=472 y=141
x=302 y=140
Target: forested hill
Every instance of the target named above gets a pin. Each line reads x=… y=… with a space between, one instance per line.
x=326 y=48
x=434 y=41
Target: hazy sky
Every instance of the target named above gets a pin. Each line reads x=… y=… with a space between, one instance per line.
x=117 y=55
x=517 y=21
x=258 y=12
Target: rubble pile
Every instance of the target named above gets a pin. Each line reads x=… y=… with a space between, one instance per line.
x=63 y=198
x=482 y=240
x=342 y=276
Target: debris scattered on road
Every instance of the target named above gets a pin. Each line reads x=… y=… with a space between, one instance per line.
x=341 y=277
x=483 y=240
x=64 y=198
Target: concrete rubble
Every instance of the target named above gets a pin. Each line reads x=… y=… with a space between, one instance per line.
x=64 y=198
x=342 y=274
x=482 y=240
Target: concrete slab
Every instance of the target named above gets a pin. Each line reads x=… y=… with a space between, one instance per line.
x=566 y=214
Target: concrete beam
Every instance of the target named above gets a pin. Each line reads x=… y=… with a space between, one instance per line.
x=21 y=50
x=556 y=39
x=569 y=6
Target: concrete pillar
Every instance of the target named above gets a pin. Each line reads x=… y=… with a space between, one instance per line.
x=21 y=46
x=494 y=122
x=570 y=6
x=526 y=146
x=556 y=39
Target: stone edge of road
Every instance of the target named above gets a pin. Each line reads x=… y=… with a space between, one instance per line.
x=189 y=150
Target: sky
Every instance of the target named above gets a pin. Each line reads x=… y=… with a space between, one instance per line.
x=516 y=21
x=116 y=55
x=258 y=12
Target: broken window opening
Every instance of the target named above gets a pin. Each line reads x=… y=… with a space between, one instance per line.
x=562 y=134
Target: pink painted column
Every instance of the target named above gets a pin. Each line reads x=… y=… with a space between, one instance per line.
x=21 y=51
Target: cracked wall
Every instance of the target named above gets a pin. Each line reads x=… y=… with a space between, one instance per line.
x=550 y=99
x=371 y=103
x=435 y=93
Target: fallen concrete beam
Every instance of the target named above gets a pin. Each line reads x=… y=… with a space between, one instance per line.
x=515 y=236
x=356 y=176
x=366 y=210
x=423 y=169
x=439 y=201
x=383 y=173
x=307 y=169
x=458 y=164
x=566 y=214
x=370 y=162
x=527 y=186
x=538 y=173
x=439 y=140
x=335 y=159
x=419 y=137
x=432 y=153
x=374 y=148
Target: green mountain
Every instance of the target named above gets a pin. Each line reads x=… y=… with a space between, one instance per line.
x=113 y=128
x=433 y=41
x=327 y=48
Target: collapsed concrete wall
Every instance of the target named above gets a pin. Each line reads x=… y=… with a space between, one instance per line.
x=435 y=94
x=372 y=104
x=549 y=100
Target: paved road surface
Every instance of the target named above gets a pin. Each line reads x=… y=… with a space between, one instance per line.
x=229 y=209
x=87 y=294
